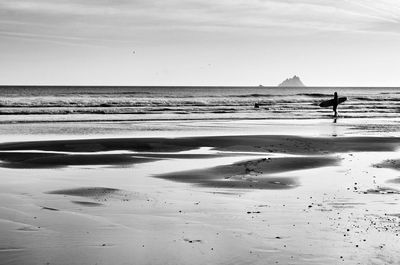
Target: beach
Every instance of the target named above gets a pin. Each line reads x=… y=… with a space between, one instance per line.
x=298 y=197
x=142 y=132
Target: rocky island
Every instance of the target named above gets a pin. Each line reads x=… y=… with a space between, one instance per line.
x=292 y=82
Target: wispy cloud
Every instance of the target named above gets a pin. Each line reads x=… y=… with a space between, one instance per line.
x=98 y=18
x=49 y=39
x=63 y=40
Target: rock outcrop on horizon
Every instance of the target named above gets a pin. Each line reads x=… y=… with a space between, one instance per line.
x=292 y=82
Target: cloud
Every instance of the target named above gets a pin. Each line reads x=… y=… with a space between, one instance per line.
x=124 y=19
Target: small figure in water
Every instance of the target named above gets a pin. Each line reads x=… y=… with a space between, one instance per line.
x=335 y=103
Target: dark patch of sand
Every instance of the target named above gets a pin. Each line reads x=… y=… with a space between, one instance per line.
x=90 y=204
x=392 y=164
x=96 y=193
x=97 y=145
x=100 y=195
x=52 y=160
x=86 y=192
x=247 y=143
x=389 y=163
x=252 y=174
x=382 y=190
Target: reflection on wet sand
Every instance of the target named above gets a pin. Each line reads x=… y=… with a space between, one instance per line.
x=253 y=174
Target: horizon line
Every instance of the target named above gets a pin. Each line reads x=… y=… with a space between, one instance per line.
x=195 y=86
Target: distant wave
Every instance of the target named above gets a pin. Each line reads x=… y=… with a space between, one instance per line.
x=315 y=95
x=376 y=99
x=254 y=95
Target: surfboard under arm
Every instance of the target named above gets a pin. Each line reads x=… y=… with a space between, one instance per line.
x=329 y=103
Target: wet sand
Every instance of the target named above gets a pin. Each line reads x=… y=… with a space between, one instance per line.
x=258 y=199
x=245 y=143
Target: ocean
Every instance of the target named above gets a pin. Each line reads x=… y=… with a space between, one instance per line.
x=25 y=104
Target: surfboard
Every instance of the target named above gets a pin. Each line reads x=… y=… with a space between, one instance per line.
x=328 y=103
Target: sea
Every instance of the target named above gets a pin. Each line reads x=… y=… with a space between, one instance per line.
x=35 y=104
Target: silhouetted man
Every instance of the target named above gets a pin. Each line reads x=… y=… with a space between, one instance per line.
x=335 y=103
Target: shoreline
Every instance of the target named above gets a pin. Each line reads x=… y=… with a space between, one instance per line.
x=173 y=129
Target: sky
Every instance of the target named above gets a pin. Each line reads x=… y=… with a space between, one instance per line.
x=199 y=42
